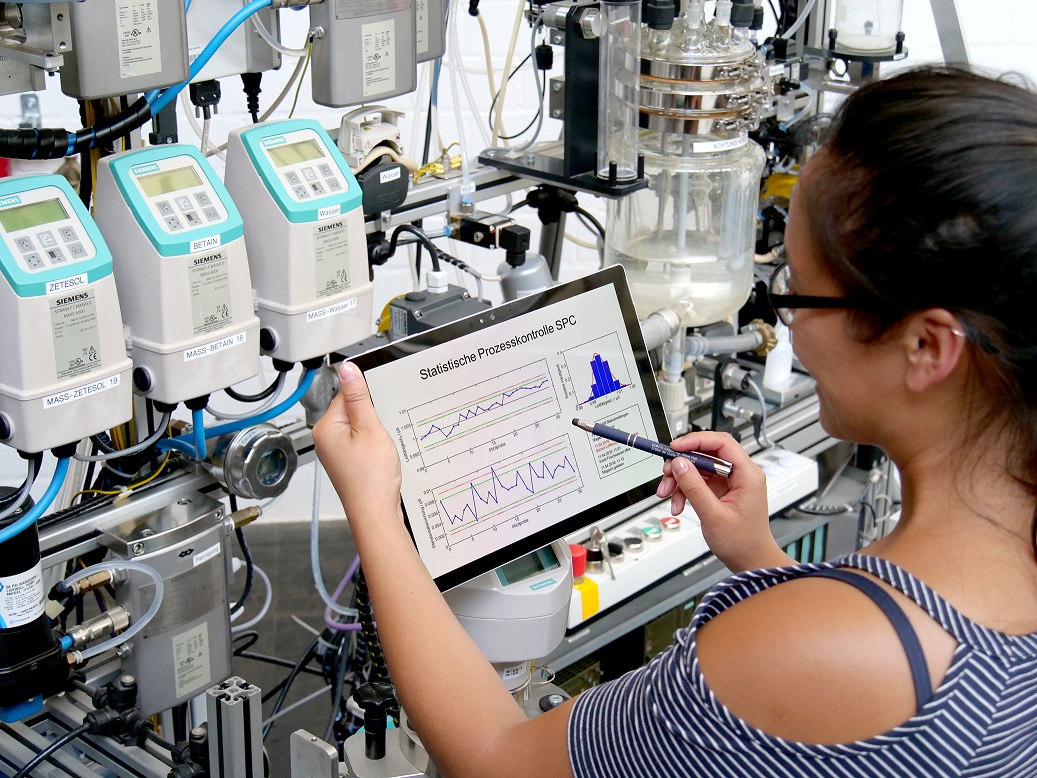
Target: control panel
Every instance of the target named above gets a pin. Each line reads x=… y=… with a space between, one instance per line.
x=654 y=544
x=41 y=230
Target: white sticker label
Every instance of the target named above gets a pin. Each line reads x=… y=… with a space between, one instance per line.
x=215 y=347
x=22 y=597
x=379 y=57
x=421 y=25
x=330 y=211
x=140 y=47
x=719 y=145
x=331 y=258
x=191 y=660
x=76 y=336
x=209 y=277
x=388 y=175
x=71 y=395
x=515 y=671
x=204 y=244
x=66 y=284
x=331 y=310
x=777 y=70
x=205 y=556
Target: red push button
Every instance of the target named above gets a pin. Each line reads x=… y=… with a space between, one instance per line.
x=670 y=523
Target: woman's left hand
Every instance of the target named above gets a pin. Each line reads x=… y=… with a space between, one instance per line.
x=357 y=452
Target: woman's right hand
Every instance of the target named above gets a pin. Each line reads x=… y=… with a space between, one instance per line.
x=733 y=510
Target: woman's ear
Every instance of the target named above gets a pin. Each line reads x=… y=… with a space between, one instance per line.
x=933 y=342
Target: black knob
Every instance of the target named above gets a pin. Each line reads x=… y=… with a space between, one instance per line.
x=142 y=379
x=267 y=339
x=375 y=699
x=658 y=14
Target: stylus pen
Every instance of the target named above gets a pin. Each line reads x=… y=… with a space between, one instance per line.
x=704 y=462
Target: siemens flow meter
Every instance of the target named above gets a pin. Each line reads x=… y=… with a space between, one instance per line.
x=182 y=272
x=305 y=236
x=64 y=374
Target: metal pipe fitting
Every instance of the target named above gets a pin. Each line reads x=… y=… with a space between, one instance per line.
x=110 y=622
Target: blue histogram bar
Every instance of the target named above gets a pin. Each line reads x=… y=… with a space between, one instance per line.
x=529 y=479
x=604 y=382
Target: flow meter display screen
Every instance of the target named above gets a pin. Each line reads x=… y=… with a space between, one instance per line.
x=528 y=566
x=33 y=215
x=303 y=151
x=167 y=181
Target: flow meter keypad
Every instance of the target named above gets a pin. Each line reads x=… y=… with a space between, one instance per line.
x=303 y=165
x=178 y=194
x=41 y=230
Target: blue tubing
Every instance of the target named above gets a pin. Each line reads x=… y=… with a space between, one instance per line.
x=198 y=430
x=181 y=443
x=158 y=102
x=37 y=510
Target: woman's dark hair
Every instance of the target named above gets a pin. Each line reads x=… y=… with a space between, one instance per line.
x=925 y=195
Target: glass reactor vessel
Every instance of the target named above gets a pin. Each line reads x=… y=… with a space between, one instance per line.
x=687 y=241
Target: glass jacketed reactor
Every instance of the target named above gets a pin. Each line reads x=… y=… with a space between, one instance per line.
x=687 y=241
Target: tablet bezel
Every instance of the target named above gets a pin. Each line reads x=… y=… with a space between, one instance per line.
x=613 y=276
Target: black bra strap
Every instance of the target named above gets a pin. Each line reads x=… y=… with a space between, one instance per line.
x=906 y=633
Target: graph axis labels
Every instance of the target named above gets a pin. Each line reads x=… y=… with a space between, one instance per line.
x=481 y=413
x=482 y=499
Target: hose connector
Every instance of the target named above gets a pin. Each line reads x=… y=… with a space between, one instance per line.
x=114 y=620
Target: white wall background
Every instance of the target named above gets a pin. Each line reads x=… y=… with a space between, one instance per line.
x=1001 y=37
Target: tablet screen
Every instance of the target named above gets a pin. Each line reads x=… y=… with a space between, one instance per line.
x=481 y=413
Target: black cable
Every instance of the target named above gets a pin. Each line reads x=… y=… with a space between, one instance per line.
x=158 y=741
x=253 y=398
x=540 y=109
x=777 y=17
x=180 y=722
x=54 y=143
x=365 y=615
x=249 y=568
x=276 y=660
x=594 y=222
x=422 y=237
x=489 y=118
x=9 y=498
x=46 y=753
x=287 y=683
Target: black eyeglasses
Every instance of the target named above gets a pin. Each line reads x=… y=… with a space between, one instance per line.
x=785 y=305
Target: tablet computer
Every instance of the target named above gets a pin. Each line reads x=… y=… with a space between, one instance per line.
x=481 y=412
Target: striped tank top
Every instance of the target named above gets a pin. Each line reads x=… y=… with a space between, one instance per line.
x=663 y=720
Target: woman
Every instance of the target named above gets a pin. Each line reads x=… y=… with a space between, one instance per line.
x=912 y=249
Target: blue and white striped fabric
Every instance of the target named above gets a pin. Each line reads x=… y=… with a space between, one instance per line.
x=663 y=720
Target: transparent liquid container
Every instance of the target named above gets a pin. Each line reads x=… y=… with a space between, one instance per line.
x=687 y=241
x=867 y=27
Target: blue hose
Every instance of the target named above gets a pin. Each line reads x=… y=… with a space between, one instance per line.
x=158 y=102
x=181 y=444
x=37 y=510
x=259 y=418
x=198 y=429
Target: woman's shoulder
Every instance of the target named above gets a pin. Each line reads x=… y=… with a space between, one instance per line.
x=810 y=659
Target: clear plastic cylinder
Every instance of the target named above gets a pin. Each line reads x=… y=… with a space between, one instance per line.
x=687 y=241
x=867 y=26
x=619 y=67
